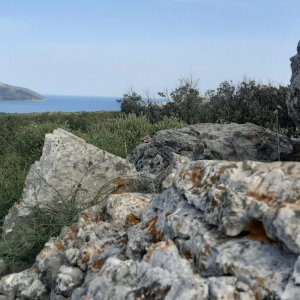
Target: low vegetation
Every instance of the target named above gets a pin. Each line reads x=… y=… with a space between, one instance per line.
x=248 y=101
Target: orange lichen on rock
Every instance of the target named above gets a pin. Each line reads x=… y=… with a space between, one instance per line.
x=260 y=281
x=85 y=256
x=70 y=234
x=206 y=249
x=257 y=296
x=267 y=198
x=122 y=185
x=97 y=264
x=257 y=232
x=195 y=178
x=221 y=170
x=161 y=246
x=59 y=245
x=183 y=174
x=157 y=236
x=132 y=220
x=125 y=239
x=86 y=216
x=188 y=254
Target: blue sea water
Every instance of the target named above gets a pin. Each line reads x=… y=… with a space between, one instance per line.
x=61 y=104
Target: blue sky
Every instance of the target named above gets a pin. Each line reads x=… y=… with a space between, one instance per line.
x=104 y=48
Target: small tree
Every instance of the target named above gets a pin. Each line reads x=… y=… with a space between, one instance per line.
x=187 y=101
x=132 y=103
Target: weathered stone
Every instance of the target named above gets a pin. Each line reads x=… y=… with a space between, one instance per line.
x=233 y=142
x=293 y=99
x=163 y=274
x=68 y=279
x=292 y=290
x=82 y=247
x=70 y=172
x=228 y=288
x=23 y=286
x=261 y=198
x=263 y=266
x=220 y=230
x=125 y=209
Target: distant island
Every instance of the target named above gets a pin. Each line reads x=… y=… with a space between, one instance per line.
x=10 y=92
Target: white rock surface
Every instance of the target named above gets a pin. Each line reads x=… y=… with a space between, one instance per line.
x=126 y=209
x=23 y=285
x=69 y=170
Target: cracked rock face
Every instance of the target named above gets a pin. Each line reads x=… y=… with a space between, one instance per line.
x=239 y=196
x=232 y=142
x=221 y=229
x=293 y=100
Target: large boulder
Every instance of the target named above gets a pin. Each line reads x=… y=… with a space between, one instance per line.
x=232 y=142
x=69 y=173
x=293 y=99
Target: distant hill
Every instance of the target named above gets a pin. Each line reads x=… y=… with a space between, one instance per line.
x=10 y=92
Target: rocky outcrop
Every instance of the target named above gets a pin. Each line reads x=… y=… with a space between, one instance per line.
x=223 y=229
x=9 y=92
x=241 y=196
x=220 y=229
x=70 y=172
x=293 y=100
x=232 y=142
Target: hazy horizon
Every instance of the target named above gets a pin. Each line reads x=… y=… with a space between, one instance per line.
x=104 y=49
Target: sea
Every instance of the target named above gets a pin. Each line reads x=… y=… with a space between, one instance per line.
x=56 y=103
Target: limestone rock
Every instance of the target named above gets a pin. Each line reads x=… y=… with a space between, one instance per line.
x=293 y=99
x=262 y=198
x=126 y=209
x=23 y=286
x=163 y=274
x=260 y=268
x=69 y=172
x=219 y=230
x=67 y=279
x=82 y=247
x=292 y=290
x=232 y=142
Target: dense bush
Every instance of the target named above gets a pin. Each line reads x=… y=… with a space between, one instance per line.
x=248 y=101
x=252 y=102
x=132 y=103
